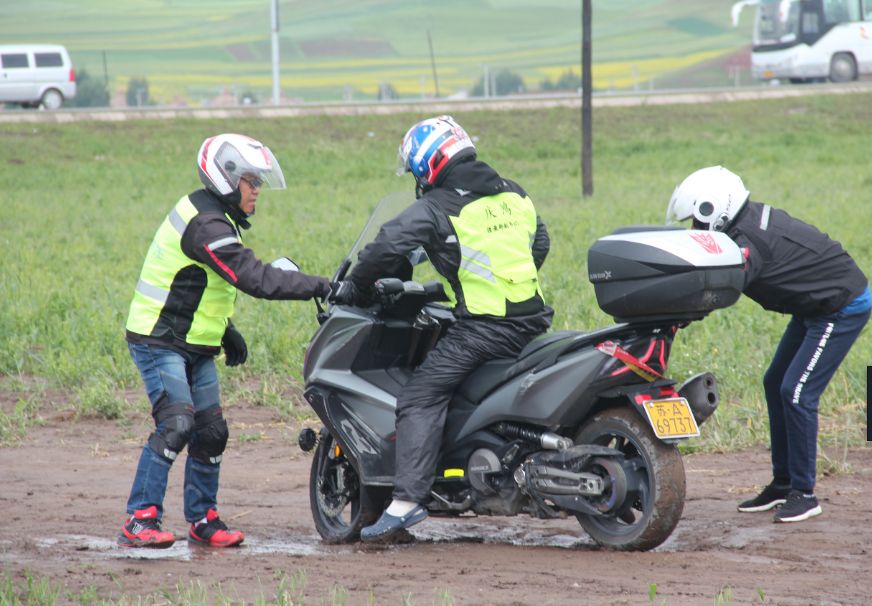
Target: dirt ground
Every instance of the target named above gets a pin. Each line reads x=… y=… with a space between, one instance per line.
x=63 y=491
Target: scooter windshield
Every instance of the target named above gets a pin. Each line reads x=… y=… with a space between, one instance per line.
x=387 y=208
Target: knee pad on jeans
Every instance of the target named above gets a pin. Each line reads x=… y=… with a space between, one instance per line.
x=174 y=421
x=210 y=436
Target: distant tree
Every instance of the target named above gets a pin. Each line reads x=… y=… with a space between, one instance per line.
x=137 y=92
x=248 y=98
x=386 y=92
x=505 y=82
x=90 y=91
x=568 y=80
x=509 y=83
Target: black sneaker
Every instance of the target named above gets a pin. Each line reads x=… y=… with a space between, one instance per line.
x=798 y=507
x=772 y=496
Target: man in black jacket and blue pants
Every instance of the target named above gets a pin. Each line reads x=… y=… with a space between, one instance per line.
x=791 y=268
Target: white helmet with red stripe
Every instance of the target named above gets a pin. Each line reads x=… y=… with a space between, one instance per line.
x=224 y=159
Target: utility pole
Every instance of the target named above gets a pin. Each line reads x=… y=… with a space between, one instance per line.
x=486 y=81
x=274 y=43
x=433 y=63
x=586 y=110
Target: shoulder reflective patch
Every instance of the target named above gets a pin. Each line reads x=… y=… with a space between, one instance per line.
x=764 y=220
x=178 y=223
x=222 y=242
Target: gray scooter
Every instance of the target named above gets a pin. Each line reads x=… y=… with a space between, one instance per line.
x=580 y=423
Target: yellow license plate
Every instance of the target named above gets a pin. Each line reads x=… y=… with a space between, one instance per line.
x=768 y=73
x=671 y=418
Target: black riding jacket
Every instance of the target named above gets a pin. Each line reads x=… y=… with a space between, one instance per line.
x=792 y=267
x=426 y=224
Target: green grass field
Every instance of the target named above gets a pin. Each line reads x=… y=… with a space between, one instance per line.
x=82 y=201
x=190 y=51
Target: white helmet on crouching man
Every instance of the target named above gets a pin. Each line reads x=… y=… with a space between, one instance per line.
x=712 y=196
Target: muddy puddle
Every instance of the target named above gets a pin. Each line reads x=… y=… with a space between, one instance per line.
x=181 y=550
x=521 y=531
x=502 y=531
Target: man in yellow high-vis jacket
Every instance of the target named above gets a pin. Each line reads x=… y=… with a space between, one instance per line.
x=179 y=320
x=483 y=235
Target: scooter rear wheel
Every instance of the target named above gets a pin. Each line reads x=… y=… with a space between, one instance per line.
x=335 y=493
x=659 y=500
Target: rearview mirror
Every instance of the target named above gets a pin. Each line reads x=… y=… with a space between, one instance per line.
x=285 y=264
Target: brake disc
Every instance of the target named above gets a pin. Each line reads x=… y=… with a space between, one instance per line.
x=333 y=498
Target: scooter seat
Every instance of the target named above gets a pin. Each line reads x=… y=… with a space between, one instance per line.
x=484 y=379
x=542 y=341
x=495 y=372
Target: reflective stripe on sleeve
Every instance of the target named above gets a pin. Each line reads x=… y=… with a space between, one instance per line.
x=222 y=242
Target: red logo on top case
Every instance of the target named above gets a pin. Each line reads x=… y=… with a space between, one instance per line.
x=708 y=242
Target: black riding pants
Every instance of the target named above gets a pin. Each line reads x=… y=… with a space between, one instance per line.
x=423 y=404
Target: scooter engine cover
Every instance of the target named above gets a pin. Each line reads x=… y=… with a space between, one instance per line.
x=481 y=463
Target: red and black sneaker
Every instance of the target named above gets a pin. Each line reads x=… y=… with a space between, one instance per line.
x=143 y=530
x=214 y=533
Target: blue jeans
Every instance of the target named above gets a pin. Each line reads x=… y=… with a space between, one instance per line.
x=188 y=378
x=808 y=355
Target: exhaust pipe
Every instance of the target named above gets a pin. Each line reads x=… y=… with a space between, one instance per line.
x=701 y=392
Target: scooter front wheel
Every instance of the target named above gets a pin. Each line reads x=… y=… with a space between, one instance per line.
x=655 y=500
x=335 y=493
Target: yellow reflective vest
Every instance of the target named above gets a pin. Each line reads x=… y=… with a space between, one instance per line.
x=177 y=298
x=495 y=235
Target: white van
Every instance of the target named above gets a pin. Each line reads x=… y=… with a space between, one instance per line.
x=36 y=74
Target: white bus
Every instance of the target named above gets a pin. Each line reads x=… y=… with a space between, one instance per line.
x=810 y=40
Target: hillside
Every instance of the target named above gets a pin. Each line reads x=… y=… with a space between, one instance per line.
x=340 y=49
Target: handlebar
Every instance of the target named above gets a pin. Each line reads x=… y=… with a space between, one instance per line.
x=400 y=298
x=391 y=291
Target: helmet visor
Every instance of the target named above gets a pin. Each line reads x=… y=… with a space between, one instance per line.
x=677 y=211
x=403 y=152
x=272 y=177
x=259 y=163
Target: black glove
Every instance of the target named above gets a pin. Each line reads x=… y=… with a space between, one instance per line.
x=342 y=293
x=324 y=289
x=235 y=350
